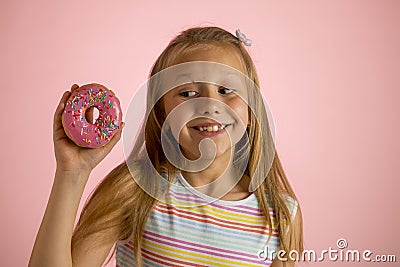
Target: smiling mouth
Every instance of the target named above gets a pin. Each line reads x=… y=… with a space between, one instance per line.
x=211 y=128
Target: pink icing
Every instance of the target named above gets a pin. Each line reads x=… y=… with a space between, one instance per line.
x=107 y=124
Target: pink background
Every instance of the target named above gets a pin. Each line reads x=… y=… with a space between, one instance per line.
x=329 y=69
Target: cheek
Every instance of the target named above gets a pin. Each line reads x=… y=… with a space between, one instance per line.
x=167 y=107
x=169 y=104
x=241 y=110
x=166 y=103
x=177 y=115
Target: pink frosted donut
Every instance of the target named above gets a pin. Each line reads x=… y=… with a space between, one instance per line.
x=84 y=133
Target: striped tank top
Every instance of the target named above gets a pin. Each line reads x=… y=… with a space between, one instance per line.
x=221 y=233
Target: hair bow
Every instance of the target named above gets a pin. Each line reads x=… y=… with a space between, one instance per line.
x=243 y=38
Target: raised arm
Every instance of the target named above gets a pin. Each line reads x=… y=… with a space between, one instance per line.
x=74 y=165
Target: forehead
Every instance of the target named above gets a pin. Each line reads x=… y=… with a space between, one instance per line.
x=223 y=54
x=221 y=65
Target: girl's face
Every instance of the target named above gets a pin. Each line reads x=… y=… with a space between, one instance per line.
x=215 y=102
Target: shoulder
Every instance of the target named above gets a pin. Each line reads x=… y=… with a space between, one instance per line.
x=290 y=202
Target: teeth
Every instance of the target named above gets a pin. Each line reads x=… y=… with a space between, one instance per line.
x=212 y=128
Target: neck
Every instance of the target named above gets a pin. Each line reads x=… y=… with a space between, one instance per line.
x=218 y=179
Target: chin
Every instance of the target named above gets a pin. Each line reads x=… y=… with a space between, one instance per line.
x=220 y=153
x=208 y=153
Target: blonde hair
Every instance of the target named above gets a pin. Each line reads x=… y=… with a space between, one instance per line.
x=118 y=209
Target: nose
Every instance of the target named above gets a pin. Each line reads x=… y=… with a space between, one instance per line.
x=209 y=103
x=208 y=106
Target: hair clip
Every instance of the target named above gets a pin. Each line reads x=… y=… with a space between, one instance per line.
x=243 y=38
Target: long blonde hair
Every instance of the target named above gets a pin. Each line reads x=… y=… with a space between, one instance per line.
x=118 y=208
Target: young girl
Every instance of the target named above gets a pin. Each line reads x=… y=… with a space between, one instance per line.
x=214 y=210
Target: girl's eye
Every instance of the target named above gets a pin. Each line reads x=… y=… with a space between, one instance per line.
x=188 y=93
x=225 y=91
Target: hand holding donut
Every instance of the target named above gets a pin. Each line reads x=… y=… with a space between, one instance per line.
x=74 y=157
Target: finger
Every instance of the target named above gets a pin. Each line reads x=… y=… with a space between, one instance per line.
x=74 y=87
x=57 y=123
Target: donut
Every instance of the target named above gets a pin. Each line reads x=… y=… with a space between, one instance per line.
x=84 y=133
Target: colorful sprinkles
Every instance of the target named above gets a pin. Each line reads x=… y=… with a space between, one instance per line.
x=103 y=129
